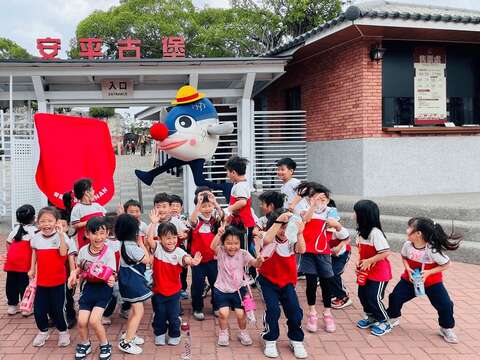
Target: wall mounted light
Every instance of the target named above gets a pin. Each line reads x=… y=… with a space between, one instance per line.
x=377 y=52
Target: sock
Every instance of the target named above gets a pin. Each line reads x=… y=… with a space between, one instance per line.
x=104 y=343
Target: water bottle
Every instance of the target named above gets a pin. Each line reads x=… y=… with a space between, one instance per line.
x=333 y=214
x=292 y=229
x=418 y=284
x=187 y=341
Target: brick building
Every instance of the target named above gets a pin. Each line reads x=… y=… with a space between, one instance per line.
x=370 y=130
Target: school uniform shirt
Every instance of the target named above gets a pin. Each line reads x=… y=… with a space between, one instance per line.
x=86 y=258
x=316 y=233
x=19 y=256
x=51 y=269
x=261 y=223
x=202 y=236
x=115 y=245
x=167 y=267
x=231 y=270
x=241 y=190
x=426 y=257
x=180 y=225
x=143 y=229
x=280 y=266
x=133 y=251
x=82 y=212
x=289 y=189
x=367 y=248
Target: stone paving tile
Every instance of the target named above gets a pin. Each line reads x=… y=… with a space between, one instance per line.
x=415 y=338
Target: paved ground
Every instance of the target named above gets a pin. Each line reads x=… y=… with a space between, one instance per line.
x=415 y=338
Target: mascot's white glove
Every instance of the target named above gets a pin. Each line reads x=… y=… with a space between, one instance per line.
x=220 y=129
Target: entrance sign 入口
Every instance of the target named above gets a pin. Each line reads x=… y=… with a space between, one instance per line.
x=117 y=89
x=430 y=86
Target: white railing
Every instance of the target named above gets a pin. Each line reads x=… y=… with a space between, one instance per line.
x=278 y=134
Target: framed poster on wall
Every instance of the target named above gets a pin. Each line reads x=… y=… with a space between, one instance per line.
x=430 y=86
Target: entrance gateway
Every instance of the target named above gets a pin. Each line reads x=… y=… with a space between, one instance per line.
x=261 y=136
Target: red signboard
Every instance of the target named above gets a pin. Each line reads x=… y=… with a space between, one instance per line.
x=48 y=47
x=129 y=45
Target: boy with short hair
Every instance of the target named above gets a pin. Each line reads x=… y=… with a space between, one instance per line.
x=285 y=170
x=161 y=204
x=270 y=201
x=134 y=208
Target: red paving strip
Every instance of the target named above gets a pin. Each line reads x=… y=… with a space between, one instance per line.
x=415 y=338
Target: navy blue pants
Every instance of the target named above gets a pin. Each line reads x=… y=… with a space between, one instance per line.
x=437 y=294
x=207 y=270
x=16 y=284
x=50 y=301
x=371 y=295
x=274 y=296
x=166 y=309
x=70 y=303
x=338 y=265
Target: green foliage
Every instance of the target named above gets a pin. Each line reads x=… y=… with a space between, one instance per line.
x=101 y=112
x=249 y=28
x=11 y=50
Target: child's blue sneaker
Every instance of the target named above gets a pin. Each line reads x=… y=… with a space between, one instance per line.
x=381 y=328
x=366 y=323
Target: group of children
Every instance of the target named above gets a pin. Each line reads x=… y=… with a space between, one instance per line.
x=117 y=258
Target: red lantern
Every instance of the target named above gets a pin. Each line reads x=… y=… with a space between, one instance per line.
x=159 y=131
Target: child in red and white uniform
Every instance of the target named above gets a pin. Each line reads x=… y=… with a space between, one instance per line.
x=50 y=250
x=424 y=251
x=277 y=279
x=167 y=266
x=95 y=293
x=316 y=262
x=161 y=204
x=84 y=210
x=205 y=220
x=373 y=251
x=19 y=257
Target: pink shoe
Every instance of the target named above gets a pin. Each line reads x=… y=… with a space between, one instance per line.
x=329 y=323
x=312 y=320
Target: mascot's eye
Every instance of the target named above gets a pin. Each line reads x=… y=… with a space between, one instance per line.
x=184 y=122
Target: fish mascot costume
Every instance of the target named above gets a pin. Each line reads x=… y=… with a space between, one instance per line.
x=190 y=136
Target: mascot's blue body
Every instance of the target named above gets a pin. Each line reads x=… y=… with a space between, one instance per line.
x=190 y=136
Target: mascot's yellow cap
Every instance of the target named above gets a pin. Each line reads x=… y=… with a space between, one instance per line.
x=187 y=94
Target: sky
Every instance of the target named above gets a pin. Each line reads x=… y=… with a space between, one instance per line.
x=23 y=21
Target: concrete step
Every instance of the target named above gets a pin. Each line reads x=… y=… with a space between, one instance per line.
x=463 y=207
x=468 y=252
x=398 y=224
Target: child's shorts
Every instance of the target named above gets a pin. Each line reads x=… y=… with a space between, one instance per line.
x=231 y=300
x=317 y=264
x=94 y=295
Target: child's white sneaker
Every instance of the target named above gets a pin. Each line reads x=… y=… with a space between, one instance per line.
x=63 y=338
x=174 y=341
x=137 y=340
x=270 y=349
x=448 y=335
x=129 y=347
x=160 y=340
x=198 y=315
x=223 y=338
x=12 y=309
x=40 y=339
x=298 y=349
x=245 y=338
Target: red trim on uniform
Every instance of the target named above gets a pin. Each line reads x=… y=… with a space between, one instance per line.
x=429 y=281
x=381 y=270
x=316 y=237
x=280 y=270
x=201 y=241
x=166 y=277
x=50 y=267
x=245 y=213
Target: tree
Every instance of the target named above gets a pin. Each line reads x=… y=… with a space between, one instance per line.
x=11 y=50
x=249 y=28
x=101 y=112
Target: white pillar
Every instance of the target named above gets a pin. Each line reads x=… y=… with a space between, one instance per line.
x=246 y=138
x=43 y=107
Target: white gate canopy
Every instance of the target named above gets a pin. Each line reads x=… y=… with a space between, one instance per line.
x=56 y=83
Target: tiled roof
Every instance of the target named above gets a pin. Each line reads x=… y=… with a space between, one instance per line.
x=391 y=10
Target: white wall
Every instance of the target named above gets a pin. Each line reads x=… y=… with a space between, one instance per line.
x=397 y=166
